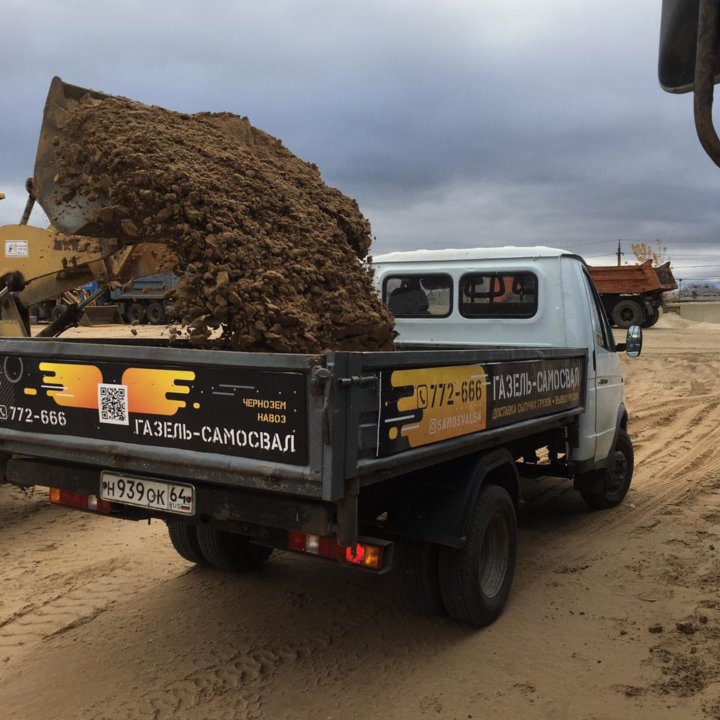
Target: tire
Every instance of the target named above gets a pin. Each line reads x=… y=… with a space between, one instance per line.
x=230 y=552
x=57 y=312
x=156 y=314
x=475 y=581
x=627 y=313
x=134 y=312
x=651 y=319
x=422 y=577
x=619 y=476
x=185 y=541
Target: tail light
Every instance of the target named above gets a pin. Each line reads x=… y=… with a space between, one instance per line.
x=363 y=554
x=70 y=498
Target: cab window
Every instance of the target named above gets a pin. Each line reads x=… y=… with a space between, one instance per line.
x=601 y=327
x=499 y=295
x=418 y=295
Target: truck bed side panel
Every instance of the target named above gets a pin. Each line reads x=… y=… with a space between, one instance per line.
x=229 y=418
x=426 y=406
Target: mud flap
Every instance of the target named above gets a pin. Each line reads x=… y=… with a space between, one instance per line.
x=441 y=516
x=594 y=481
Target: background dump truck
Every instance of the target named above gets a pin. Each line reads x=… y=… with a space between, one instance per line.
x=146 y=299
x=633 y=294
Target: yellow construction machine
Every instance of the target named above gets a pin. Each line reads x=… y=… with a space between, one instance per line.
x=41 y=264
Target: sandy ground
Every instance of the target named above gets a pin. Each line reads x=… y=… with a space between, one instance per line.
x=613 y=614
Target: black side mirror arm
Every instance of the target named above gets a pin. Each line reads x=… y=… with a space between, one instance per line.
x=707 y=39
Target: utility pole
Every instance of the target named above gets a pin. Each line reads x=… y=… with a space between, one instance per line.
x=620 y=253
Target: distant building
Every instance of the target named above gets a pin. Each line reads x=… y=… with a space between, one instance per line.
x=700 y=289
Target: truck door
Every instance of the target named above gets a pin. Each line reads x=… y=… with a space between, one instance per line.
x=608 y=381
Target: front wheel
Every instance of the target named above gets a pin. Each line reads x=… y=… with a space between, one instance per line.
x=618 y=478
x=134 y=313
x=475 y=581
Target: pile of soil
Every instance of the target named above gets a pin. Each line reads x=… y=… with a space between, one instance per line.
x=266 y=252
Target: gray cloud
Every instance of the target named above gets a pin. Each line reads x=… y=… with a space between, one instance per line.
x=454 y=123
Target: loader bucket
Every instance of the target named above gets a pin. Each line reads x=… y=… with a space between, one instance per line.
x=69 y=211
x=101 y=315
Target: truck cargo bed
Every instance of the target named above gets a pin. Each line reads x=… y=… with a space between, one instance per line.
x=300 y=425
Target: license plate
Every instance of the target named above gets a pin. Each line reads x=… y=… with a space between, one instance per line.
x=151 y=494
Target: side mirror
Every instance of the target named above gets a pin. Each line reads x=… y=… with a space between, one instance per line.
x=633 y=343
x=679 y=44
x=689 y=52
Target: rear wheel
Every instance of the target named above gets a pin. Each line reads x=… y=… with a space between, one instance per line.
x=627 y=313
x=228 y=551
x=422 y=576
x=185 y=541
x=619 y=476
x=475 y=581
x=652 y=318
x=156 y=314
x=134 y=312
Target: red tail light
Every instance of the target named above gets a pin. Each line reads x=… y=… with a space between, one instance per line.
x=70 y=498
x=362 y=554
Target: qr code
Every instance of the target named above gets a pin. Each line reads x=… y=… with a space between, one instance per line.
x=113 y=404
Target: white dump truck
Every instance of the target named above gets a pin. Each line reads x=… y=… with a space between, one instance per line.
x=506 y=366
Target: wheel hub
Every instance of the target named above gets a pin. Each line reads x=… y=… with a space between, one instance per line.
x=494 y=556
x=618 y=472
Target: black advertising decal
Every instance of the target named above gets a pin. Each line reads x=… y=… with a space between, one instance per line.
x=428 y=405
x=247 y=413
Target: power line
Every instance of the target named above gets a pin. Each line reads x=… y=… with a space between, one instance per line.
x=690 y=267
x=691 y=255
x=672 y=262
x=599 y=243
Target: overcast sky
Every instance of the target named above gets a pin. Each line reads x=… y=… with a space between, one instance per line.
x=454 y=123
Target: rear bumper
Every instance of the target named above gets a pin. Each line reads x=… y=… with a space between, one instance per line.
x=232 y=508
x=269 y=519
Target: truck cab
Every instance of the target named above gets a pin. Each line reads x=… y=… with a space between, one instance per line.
x=523 y=297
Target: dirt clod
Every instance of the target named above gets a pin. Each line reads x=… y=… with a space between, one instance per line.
x=269 y=257
x=687 y=628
